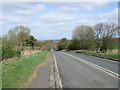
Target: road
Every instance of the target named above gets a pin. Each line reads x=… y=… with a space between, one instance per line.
x=84 y=71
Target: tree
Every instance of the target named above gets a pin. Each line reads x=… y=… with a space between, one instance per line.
x=103 y=34
x=74 y=44
x=13 y=38
x=85 y=35
x=38 y=44
x=4 y=40
x=63 y=43
x=48 y=44
x=30 y=41
x=19 y=34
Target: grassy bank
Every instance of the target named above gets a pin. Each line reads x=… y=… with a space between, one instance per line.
x=16 y=72
x=106 y=55
x=0 y=76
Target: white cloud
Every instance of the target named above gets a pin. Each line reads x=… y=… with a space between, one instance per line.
x=37 y=8
x=68 y=9
x=1 y=19
x=23 y=8
x=19 y=19
x=75 y=6
x=56 y=17
x=56 y=23
x=60 y=0
x=51 y=31
x=31 y=8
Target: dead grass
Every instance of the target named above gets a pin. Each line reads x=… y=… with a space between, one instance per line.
x=114 y=51
x=27 y=52
x=24 y=53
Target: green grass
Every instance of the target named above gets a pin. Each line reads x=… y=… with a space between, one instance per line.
x=0 y=68
x=107 y=55
x=0 y=76
x=17 y=72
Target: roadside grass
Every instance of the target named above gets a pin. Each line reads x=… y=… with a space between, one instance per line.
x=0 y=68
x=106 y=55
x=16 y=72
x=0 y=75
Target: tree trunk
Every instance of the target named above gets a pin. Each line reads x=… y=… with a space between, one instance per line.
x=99 y=47
x=98 y=50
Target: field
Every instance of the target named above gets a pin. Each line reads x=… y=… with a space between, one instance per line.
x=17 y=71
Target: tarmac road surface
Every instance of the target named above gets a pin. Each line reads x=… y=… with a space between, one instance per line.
x=84 y=71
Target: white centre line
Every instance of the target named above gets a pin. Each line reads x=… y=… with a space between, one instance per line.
x=96 y=66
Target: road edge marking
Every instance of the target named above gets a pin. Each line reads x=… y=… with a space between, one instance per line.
x=96 y=66
x=57 y=75
x=51 y=75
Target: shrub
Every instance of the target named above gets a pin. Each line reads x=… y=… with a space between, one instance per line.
x=62 y=44
x=74 y=44
x=70 y=46
x=0 y=53
x=9 y=52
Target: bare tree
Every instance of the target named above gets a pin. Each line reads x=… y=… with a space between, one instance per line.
x=104 y=31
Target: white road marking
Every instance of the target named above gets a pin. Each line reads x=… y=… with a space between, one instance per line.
x=51 y=78
x=96 y=66
x=57 y=71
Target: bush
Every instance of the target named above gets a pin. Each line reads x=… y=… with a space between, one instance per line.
x=9 y=52
x=71 y=46
x=0 y=53
x=63 y=44
x=74 y=44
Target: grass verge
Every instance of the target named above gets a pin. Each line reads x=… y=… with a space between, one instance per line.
x=105 y=55
x=0 y=75
x=18 y=71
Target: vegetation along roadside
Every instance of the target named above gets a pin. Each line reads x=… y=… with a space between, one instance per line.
x=16 y=72
x=99 y=40
x=112 y=56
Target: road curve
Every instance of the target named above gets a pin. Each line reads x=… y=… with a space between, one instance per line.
x=78 y=74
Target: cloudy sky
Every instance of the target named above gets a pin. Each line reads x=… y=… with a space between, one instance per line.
x=52 y=20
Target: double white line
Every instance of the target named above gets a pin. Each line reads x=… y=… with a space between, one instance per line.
x=96 y=66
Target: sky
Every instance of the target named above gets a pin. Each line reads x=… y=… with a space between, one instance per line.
x=55 y=20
